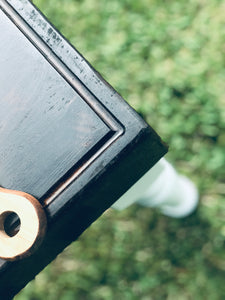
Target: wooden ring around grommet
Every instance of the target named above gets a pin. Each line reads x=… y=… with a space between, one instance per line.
x=32 y=228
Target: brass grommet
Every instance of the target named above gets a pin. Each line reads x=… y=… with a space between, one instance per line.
x=32 y=224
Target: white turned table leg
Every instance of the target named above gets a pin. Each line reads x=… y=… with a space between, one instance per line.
x=162 y=187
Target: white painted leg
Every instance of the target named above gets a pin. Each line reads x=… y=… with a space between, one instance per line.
x=162 y=187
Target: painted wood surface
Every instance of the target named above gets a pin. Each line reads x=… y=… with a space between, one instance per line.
x=66 y=136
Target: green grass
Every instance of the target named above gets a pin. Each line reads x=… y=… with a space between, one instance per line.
x=167 y=60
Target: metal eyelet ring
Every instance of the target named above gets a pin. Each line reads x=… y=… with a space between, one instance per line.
x=32 y=224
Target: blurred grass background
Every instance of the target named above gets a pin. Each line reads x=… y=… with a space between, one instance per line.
x=167 y=59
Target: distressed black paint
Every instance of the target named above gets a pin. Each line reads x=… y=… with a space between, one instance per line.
x=66 y=136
